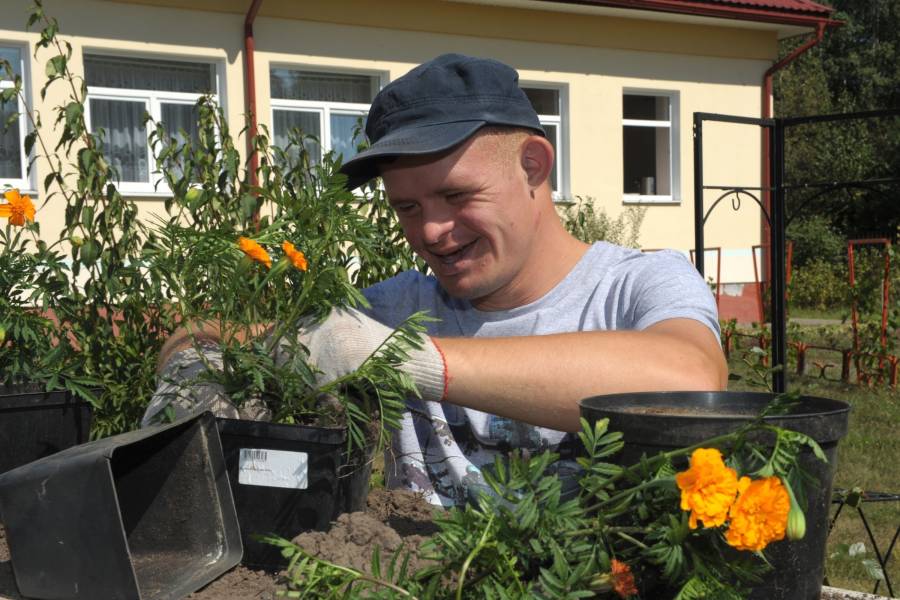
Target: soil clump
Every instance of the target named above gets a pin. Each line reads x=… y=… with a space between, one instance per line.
x=393 y=519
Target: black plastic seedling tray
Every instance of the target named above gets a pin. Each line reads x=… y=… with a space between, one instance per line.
x=35 y=423
x=145 y=515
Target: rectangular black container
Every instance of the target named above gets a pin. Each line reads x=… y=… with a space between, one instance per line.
x=145 y=515
x=35 y=423
x=287 y=479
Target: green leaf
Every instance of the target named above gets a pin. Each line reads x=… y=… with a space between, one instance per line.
x=873 y=569
x=89 y=252
x=56 y=66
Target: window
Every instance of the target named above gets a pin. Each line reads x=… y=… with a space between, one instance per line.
x=650 y=165
x=547 y=103
x=122 y=89
x=13 y=162
x=328 y=106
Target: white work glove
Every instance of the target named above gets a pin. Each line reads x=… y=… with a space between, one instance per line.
x=181 y=388
x=337 y=346
x=347 y=337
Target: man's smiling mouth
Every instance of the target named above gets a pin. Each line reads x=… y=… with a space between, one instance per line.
x=457 y=255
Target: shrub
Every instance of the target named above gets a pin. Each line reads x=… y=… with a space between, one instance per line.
x=814 y=239
x=819 y=285
x=591 y=224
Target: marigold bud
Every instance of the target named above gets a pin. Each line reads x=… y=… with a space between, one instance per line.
x=796 y=525
x=76 y=240
x=2 y=334
x=796 y=522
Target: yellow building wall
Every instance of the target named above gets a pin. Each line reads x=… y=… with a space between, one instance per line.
x=592 y=58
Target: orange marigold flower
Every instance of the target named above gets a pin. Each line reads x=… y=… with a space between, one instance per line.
x=759 y=516
x=622 y=579
x=708 y=488
x=254 y=251
x=295 y=256
x=19 y=208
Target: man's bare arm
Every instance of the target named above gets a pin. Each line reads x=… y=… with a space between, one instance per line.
x=539 y=379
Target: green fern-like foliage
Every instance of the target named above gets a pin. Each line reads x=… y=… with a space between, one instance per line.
x=523 y=538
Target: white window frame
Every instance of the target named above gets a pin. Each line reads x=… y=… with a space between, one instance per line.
x=24 y=183
x=153 y=101
x=561 y=121
x=324 y=108
x=674 y=149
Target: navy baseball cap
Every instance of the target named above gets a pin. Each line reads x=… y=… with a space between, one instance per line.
x=437 y=106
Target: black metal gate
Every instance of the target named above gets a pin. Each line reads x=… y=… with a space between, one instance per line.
x=771 y=200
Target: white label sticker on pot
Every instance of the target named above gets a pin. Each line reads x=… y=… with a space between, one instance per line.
x=273 y=468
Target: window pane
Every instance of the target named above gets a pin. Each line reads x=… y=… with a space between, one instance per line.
x=545 y=101
x=180 y=122
x=178 y=118
x=10 y=144
x=646 y=161
x=10 y=55
x=125 y=138
x=343 y=128
x=322 y=87
x=307 y=122
x=653 y=108
x=552 y=135
x=149 y=74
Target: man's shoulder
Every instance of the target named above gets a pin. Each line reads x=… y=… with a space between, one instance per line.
x=619 y=261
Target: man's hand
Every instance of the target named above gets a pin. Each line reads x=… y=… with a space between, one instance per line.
x=342 y=342
x=337 y=346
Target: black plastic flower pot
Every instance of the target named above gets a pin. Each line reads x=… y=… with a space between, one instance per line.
x=145 y=515
x=288 y=479
x=656 y=422
x=35 y=423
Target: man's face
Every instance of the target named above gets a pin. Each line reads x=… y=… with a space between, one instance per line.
x=471 y=216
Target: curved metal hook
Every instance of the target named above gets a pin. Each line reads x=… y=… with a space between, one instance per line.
x=736 y=203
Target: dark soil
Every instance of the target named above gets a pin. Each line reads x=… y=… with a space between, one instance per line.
x=393 y=519
x=682 y=411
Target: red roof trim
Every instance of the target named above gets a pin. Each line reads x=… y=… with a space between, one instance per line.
x=719 y=9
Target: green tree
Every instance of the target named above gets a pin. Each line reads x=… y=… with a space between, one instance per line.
x=855 y=68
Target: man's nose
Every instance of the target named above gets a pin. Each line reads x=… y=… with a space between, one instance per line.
x=436 y=223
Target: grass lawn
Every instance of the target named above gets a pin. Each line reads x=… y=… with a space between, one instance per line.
x=868 y=457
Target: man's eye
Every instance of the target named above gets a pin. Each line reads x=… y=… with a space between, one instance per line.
x=456 y=195
x=406 y=208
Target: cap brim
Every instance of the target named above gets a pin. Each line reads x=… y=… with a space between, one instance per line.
x=413 y=141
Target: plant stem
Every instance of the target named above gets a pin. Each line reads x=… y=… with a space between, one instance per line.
x=357 y=575
x=628 y=492
x=482 y=542
x=627 y=537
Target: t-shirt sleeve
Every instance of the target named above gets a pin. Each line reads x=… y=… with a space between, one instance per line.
x=669 y=287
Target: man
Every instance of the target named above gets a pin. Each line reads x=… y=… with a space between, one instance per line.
x=530 y=320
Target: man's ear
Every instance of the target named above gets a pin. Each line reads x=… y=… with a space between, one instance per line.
x=536 y=159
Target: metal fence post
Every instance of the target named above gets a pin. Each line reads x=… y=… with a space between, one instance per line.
x=698 y=195
x=777 y=263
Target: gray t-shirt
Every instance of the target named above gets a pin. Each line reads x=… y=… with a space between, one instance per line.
x=442 y=448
